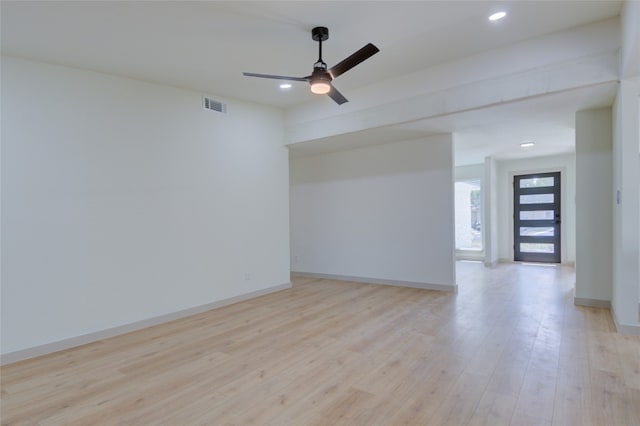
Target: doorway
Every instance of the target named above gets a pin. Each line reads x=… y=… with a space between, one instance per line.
x=536 y=217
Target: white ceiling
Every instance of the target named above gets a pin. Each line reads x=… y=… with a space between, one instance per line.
x=205 y=46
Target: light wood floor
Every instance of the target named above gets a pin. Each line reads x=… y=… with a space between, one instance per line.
x=509 y=348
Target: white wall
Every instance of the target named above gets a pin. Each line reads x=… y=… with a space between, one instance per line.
x=491 y=212
x=382 y=213
x=504 y=179
x=630 y=40
x=123 y=200
x=470 y=172
x=626 y=229
x=593 y=201
x=626 y=178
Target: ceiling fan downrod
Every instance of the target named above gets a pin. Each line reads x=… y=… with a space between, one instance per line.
x=320 y=34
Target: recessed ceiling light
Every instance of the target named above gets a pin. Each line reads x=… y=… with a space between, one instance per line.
x=497 y=16
x=526 y=144
x=285 y=86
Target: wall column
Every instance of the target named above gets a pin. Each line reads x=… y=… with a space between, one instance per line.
x=593 y=208
x=626 y=201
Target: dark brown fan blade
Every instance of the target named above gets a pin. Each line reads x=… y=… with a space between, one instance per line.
x=336 y=96
x=361 y=55
x=276 y=77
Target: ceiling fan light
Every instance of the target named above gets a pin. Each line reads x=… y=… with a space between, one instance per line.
x=320 y=87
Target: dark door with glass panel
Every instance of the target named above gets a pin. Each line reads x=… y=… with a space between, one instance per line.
x=536 y=217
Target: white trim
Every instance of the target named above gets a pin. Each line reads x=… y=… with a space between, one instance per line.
x=592 y=303
x=425 y=286
x=469 y=255
x=84 y=339
x=628 y=329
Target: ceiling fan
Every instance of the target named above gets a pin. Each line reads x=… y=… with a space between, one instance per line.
x=321 y=77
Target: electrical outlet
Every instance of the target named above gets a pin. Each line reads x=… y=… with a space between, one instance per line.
x=296 y=259
x=247 y=276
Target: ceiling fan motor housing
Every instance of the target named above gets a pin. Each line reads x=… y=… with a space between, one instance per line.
x=320 y=74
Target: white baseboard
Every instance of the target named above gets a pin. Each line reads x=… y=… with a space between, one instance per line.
x=628 y=329
x=592 y=303
x=84 y=339
x=412 y=284
x=469 y=257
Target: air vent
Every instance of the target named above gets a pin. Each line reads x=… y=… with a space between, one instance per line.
x=213 y=105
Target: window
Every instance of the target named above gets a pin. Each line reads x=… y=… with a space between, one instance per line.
x=468 y=199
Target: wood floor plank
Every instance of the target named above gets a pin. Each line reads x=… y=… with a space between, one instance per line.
x=462 y=400
x=493 y=409
x=573 y=396
x=510 y=348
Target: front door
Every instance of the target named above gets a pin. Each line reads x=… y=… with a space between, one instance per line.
x=536 y=217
